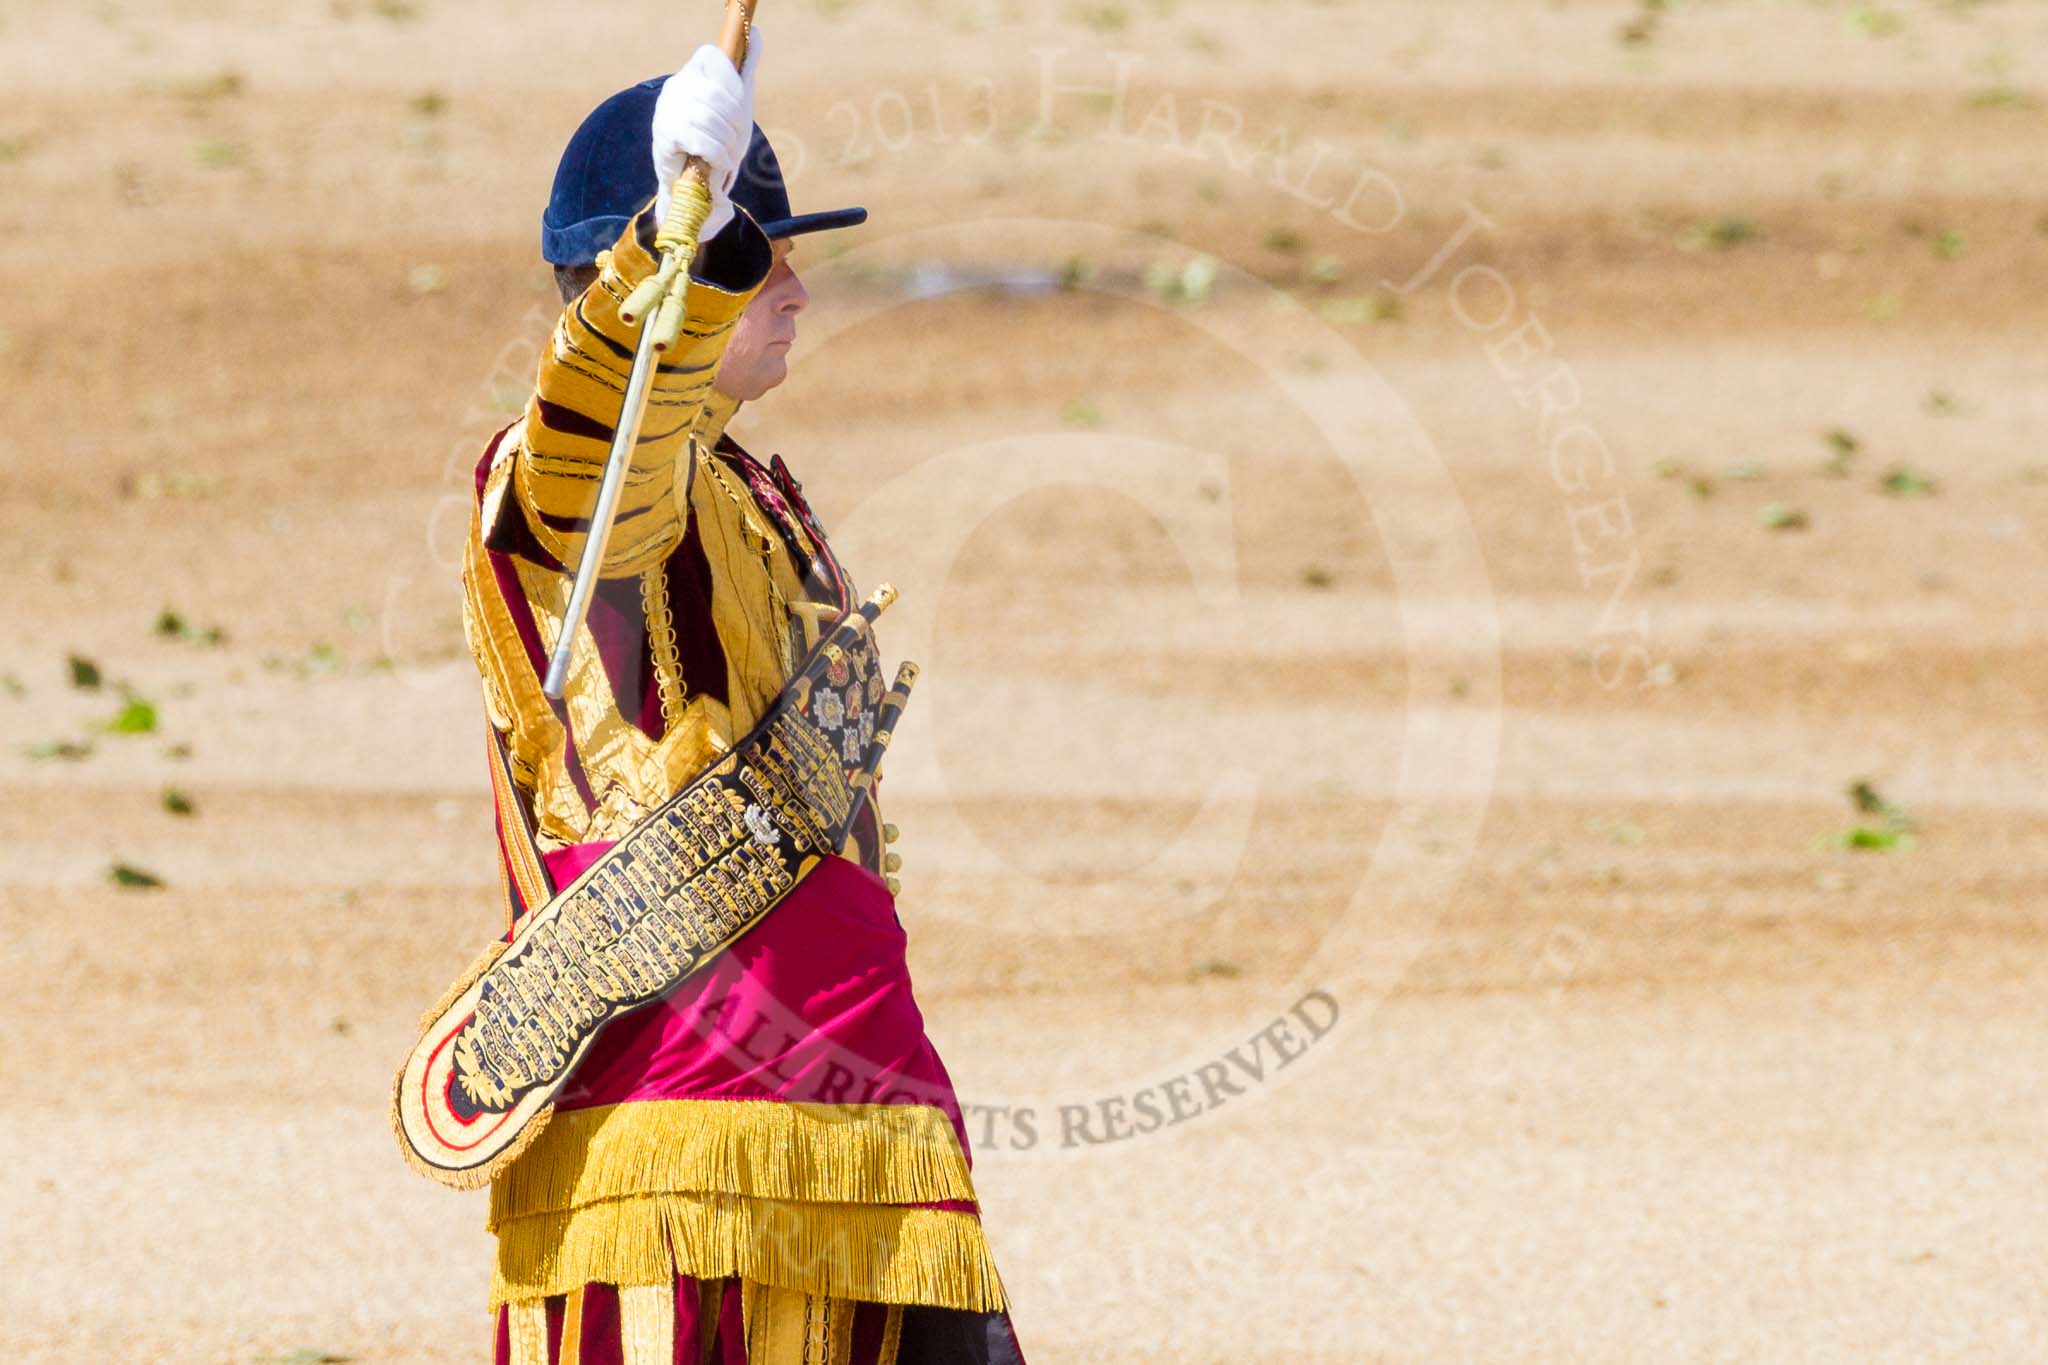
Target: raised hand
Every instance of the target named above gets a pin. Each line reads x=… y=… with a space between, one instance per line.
x=706 y=110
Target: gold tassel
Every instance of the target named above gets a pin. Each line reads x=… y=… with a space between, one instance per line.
x=855 y=1251
x=816 y=1153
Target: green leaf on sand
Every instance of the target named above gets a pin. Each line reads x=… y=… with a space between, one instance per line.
x=133 y=878
x=71 y=749
x=136 y=717
x=1902 y=482
x=1872 y=839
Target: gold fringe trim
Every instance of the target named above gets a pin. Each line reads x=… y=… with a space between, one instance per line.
x=816 y=1153
x=855 y=1251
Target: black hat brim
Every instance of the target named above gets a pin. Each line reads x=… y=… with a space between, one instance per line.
x=798 y=224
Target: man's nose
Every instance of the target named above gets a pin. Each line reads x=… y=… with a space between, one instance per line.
x=795 y=298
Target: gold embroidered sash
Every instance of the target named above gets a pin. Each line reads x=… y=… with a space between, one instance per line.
x=679 y=888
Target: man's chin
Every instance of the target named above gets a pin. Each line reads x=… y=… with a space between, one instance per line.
x=768 y=374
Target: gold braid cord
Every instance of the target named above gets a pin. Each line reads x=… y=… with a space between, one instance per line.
x=661 y=635
x=674 y=892
x=689 y=205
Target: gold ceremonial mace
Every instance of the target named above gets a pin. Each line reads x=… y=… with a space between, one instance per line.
x=659 y=300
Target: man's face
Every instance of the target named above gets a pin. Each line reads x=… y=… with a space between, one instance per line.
x=757 y=357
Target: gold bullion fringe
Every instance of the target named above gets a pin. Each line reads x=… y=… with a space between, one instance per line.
x=817 y=1153
x=856 y=1251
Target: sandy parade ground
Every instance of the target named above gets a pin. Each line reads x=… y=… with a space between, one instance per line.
x=1479 y=785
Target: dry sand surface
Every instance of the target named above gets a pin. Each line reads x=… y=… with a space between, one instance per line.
x=1410 y=569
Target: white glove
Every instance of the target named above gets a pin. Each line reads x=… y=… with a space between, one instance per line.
x=707 y=110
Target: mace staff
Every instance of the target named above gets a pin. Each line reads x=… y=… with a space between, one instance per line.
x=659 y=301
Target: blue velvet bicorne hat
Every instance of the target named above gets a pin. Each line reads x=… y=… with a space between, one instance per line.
x=606 y=175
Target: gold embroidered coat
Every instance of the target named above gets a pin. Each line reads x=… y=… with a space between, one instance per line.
x=545 y=471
